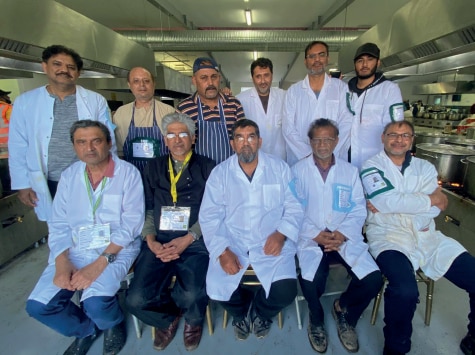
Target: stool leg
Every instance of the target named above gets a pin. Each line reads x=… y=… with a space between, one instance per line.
x=225 y=319
x=280 y=322
x=377 y=302
x=297 y=310
x=429 y=299
x=138 y=330
x=208 y=319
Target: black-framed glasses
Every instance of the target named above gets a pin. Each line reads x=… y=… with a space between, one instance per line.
x=324 y=141
x=317 y=55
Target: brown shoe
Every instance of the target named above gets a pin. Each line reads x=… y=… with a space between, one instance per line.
x=192 y=336
x=163 y=337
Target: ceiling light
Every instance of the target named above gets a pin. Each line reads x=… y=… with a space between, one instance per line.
x=255 y=55
x=248 y=17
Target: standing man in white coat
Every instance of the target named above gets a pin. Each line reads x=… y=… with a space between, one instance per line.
x=38 y=144
x=97 y=217
x=373 y=102
x=264 y=105
x=250 y=217
x=403 y=200
x=335 y=211
x=317 y=95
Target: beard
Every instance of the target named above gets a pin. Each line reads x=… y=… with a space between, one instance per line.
x=366 y=76
x=247 y=156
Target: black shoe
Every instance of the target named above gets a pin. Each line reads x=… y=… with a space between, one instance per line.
x=81 y=346
x=114 y=339
x=346 y=332
x=317 y=336
x=467 y=345
x=387 y=351
x=260 y=326
x=241 y=328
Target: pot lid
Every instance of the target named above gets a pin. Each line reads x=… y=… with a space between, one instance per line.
x=447 y=149
x=461 y=141
x=431 y=134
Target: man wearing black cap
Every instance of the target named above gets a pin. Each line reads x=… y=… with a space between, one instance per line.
x=213 y=112
x=374 y=102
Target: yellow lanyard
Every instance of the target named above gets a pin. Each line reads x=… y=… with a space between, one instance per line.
x=90 y=194
x=174 y=179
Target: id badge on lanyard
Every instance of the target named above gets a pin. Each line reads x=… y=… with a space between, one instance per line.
x=94 y=236
x=175 y=218
x=147 y=148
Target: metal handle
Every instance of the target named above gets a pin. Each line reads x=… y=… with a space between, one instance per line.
x=12 y=220
x=428 y=155
x=449 y=219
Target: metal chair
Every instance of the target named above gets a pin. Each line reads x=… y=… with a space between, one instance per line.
x=331 y=290
x=251 y=280
x=420 y=277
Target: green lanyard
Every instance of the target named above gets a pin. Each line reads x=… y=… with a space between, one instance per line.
x=89 y=193
x=174 y=179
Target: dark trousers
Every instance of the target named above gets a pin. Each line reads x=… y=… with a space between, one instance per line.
x=402 y=294
x=65 y=317
x=355 y=299
x=149 y=297
x=281 y=294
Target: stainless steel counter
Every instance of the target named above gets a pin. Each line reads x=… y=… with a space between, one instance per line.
x=19 y=228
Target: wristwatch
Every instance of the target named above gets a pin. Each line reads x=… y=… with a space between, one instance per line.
x=109 y=257
x=194 y=235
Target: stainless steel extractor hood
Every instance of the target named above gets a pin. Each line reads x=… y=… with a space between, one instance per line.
x=422 y=31
x=454 y=87
x=38 y=24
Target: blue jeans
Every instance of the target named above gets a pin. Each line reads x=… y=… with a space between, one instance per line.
x=62 y=315
x=401 y=295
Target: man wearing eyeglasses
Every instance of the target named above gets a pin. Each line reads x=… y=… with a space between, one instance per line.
x=174 y=185
x=317 y=95
x=373 y=102
x=403 y=200
x=250 y=217
x=335 y=210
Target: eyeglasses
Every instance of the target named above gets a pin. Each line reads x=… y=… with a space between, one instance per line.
x=317 y=55
x=324 y=141
x=404 y=136
x=251 y=139
x=179 y=135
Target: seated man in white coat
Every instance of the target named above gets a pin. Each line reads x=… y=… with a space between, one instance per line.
x=250 y=217
x=98 y=214
x=335 y=210
x=403 y=200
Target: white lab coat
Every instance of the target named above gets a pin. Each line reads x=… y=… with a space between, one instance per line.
x=270 y=123
x=122 y=206
x=302 y=108
x=240 y=215
x=322 y=212
x=30 y=132
x=371 y=111
x=405 y=221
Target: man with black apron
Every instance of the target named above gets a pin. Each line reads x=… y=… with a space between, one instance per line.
x=213 y=112
x=138 y=134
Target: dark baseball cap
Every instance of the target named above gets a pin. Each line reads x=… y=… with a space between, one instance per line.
x=205 y=63
x=5 y=93
x=368 y=49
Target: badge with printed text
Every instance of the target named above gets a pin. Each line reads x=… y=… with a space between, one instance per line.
x=175 y=218
x=374 y=182
x=342 y=198
x=93 y=237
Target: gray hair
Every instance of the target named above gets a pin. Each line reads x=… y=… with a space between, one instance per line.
x=89 y=123
x=322 y=123
x=176 y=117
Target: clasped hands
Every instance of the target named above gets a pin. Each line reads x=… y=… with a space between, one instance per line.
x=331 y=241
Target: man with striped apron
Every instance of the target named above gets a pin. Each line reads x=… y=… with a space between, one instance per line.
x=214 y=113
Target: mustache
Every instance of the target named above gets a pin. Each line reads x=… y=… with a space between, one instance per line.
x=211 y=87
x=65 y=74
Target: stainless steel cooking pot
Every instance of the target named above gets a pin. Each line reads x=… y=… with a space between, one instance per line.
x=462 y=141
x=469 y=179
x=470 y=133
x=446 y=159
x=430 y=137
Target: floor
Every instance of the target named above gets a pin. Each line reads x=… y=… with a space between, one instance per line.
x=21 y=335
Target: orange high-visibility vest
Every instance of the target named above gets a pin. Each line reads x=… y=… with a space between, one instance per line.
x=5 y=112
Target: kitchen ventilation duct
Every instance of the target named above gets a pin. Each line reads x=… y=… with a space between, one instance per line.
x=41 y=23
x=419 y=32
